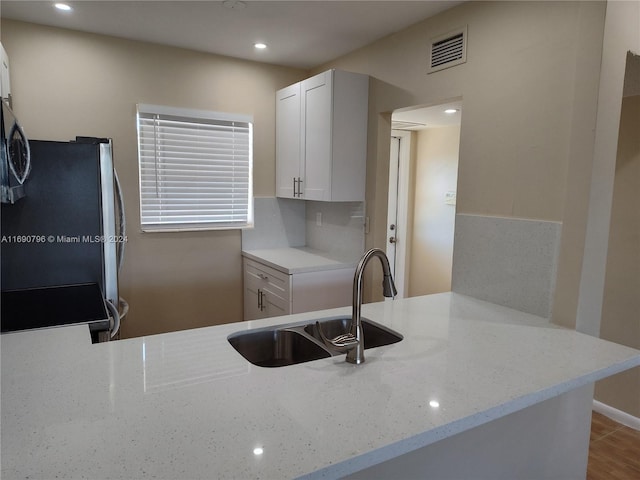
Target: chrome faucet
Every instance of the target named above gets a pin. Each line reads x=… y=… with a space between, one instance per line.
x=353 y=342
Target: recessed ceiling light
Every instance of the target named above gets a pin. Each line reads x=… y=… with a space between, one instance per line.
x=63 y=7
x=260 y=46
x=434 y=404
x=450 y=110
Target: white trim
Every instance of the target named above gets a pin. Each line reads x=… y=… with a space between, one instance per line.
x=404 y=167
x=392 y=212
x=402 y=208
x=193 y=113
x=618 y=415
x=221 y=162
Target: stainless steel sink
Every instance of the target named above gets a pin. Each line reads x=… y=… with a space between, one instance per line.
x=276 y=347
x=299 y=342
x=375 y=335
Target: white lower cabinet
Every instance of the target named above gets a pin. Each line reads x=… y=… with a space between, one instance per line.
x=270 y=293
x=267 y=291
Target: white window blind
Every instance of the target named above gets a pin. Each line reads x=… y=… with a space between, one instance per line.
x=195 y=169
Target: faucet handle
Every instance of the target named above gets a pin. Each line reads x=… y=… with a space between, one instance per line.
x=342 y=343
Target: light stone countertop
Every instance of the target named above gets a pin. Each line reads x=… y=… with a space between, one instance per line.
x=293 y=260
x=187 y=405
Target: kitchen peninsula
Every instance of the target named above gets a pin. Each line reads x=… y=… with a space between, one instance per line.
x=468 y=378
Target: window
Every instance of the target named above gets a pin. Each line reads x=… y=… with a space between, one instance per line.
x=195 y=169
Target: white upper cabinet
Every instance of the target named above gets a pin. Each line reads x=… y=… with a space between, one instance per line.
x=321 y=137
x=5 y=85
x=288 y=140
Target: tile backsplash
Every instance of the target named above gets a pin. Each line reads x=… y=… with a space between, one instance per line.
x=336 y=228
x=278 y=223
x=507 y=261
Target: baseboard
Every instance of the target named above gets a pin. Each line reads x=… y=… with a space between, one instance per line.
x=617 y=415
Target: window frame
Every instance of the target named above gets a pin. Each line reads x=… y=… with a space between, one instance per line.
x=193 y=116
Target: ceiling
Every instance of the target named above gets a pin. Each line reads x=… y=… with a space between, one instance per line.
x=427 y=117
x=301 y=34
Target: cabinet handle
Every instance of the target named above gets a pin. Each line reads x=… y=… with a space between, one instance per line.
x=297 y=192
x=263 y=276
x=261 y=305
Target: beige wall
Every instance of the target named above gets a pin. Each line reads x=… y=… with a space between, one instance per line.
x=436 y=173
x=621 y=306
x=68 y=83
x=621 y=35
x=601 y=273
x=529 y=87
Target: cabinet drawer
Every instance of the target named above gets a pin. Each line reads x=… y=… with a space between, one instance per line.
x=262 y=276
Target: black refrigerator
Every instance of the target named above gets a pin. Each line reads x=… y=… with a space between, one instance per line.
x=61 y=244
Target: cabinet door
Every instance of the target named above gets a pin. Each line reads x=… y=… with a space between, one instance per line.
x=252 y=310
x=288 y=152
x=267 y=292
x=273 y=305
x=316 y=142
x=263 y=303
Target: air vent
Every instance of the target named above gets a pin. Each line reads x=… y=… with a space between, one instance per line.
x=448 y=50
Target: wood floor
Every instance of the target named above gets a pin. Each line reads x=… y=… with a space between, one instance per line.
x=614 y=450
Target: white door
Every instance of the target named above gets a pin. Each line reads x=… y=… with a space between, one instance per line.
x=288 y=154
x=273 y=305
x=316 y=139
x=392 y=205
x=252 y=302
x=397 y=208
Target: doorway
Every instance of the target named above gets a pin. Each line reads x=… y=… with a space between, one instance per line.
x=423 y=173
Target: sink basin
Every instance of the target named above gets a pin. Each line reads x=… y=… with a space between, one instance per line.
x=375 y=335
x=293 y=343
x=276 y=347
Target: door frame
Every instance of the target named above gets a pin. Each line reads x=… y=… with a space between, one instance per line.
x=399 y=216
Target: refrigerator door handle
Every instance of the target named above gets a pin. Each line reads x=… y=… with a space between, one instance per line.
x=113 y=310
x=122 y=222
x=19 y=153
x=109 y=245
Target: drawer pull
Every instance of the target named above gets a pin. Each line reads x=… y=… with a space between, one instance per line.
x=263 y=276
